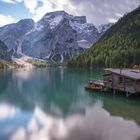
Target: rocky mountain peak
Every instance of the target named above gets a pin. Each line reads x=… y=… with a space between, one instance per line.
x=12 y=33
x=104 y=27
x=57 y=36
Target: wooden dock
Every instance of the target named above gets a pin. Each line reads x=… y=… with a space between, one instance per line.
x=125 y=80
x=95 y=85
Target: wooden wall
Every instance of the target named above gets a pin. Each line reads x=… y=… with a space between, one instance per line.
x=137 y=86
x=118 y=82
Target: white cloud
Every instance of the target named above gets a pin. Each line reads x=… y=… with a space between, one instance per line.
x=8 y=1
x=51 y=5
x=31 y=5
x=18 y=1
x=119 y=15
x=6 y=111
x=11 y=1
x=20 y=134
x=97 y=11
x=112 y=20
x=96 y=123
x=6 y=20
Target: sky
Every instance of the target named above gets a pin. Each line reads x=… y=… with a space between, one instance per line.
x=97 y=11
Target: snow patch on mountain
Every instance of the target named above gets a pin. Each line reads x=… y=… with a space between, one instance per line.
x=55 y=21
x=57 y=37
x=84 y=44
x=81 y=27
x=104 y=27
x=37 y=27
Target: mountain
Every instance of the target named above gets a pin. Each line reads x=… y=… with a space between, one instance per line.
x=59 y=36
x=5 y=54
x=13 y=34
x=118 y=47
x=56 y=37
x=104 y=27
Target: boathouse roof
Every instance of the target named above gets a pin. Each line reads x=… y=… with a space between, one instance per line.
x=131 y=73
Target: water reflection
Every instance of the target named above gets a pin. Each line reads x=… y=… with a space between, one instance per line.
x=6 y=111
x=95 y=124
x=51 y=104
x=43 y=88
x=4 y=80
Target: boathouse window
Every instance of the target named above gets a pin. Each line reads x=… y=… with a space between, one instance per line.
x=120 y=79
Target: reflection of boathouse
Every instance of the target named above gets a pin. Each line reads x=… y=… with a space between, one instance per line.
x=126 y=80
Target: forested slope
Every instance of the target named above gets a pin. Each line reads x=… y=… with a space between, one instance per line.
x=118 y=47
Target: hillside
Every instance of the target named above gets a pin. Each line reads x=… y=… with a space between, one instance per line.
x=118 y=47
x=5 y=54
x=6 y=57
x=56 y=37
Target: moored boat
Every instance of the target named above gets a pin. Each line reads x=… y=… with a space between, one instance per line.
x=95 y=85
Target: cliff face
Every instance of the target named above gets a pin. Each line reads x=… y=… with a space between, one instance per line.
x=57 y=36
x=13 y=34
x=118 y=47
x=55 y=44
x=5 y=54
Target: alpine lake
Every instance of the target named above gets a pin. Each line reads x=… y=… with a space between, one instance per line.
x=52 y=104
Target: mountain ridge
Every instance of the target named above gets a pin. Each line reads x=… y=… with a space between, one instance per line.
x=118 y=47
x=42 y=39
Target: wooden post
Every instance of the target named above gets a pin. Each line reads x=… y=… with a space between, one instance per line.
x=127 y=94
x=114 y=92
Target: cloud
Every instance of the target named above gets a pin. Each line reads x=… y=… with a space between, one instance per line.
x=99 y=11
x=118 y=15
x=6 y=111
x=20 y=135
x=18 y=1
x=96 y=11
x=11 y=1
x=8 y=1
x=31 y=5
x=51 y=5
x=6 y=20
x=112 y=20
x=95 y=124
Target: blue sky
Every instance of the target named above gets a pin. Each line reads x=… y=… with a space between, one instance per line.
x=96 y=11
x=17 y=11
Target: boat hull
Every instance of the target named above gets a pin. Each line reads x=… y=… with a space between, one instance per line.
x=94 y=88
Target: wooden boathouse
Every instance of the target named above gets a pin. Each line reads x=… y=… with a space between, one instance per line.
x=126 y=80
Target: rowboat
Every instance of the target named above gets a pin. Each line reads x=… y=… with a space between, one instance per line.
x=95 y=85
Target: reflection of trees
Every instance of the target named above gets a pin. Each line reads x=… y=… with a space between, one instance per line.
x=9 y=90
x=60 y=87
x=51 y=86
x=119 y=105
x=4 y=80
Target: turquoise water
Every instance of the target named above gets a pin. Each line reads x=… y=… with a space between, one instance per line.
x=51 y=104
